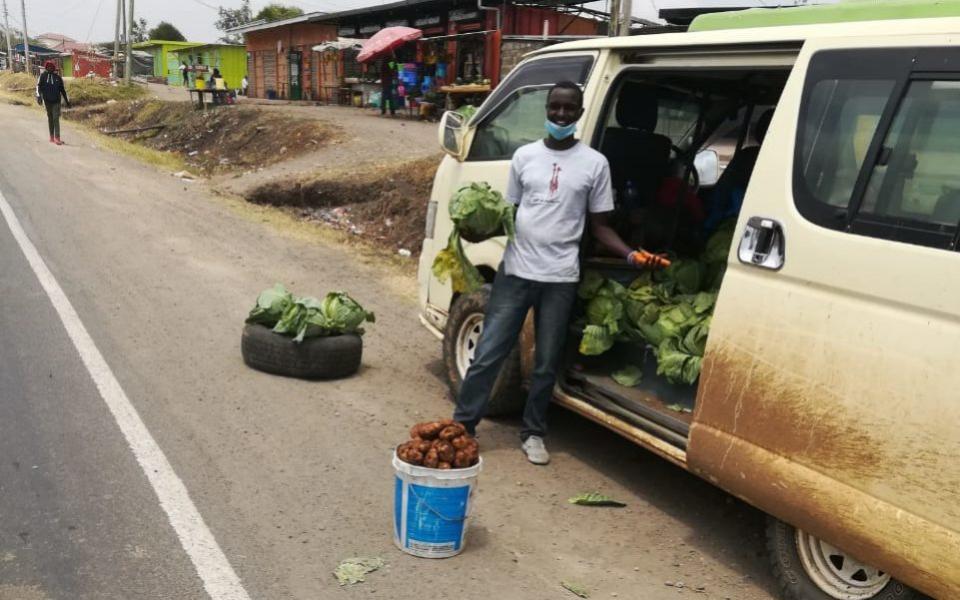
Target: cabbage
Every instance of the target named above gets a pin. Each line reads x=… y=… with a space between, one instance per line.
x=590 y=284
x=344 y=314
x=675 y=364
x=271 y=304
x=478 y=213
x=718 y=245
x=596 y=340
x=629 y=376
x=305 y=317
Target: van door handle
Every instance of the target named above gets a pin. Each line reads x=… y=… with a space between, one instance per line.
x=762 y=244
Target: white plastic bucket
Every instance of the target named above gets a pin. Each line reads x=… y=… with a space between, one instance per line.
x=431 y=507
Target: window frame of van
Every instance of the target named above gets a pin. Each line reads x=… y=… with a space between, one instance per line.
x=495 y=106
x=903 y=67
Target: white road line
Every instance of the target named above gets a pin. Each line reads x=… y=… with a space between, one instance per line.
x=219 y=578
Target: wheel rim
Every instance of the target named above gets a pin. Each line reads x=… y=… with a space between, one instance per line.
x=467 y=339
x=838 y=574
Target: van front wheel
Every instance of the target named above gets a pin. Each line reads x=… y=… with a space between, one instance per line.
x=460 y=338
x=807 y=568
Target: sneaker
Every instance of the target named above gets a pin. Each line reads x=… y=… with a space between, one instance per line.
x=53 y=140
x=535 y=450
x=58 y=141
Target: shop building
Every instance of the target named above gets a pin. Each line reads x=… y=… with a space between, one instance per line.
x=166 y=63
x=280 y=59
x=462 y=42
x=229 y=59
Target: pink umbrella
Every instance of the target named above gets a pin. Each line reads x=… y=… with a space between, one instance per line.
x=386 y=40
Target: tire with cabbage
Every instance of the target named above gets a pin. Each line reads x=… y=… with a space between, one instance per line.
x=303 y=336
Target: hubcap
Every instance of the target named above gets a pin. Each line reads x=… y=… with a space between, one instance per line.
x=837 y=573
x=467 y=339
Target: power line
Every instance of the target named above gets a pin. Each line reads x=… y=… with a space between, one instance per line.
x=96 y=14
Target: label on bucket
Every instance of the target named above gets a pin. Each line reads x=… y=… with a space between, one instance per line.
x=434 y=519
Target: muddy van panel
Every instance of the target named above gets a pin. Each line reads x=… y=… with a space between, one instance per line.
x=828 y=396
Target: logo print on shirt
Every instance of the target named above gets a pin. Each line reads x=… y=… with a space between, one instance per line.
x=555 y=180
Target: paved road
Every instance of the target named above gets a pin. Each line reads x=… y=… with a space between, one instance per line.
x=289 y=477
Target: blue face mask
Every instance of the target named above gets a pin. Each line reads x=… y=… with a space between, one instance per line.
x=559 y=132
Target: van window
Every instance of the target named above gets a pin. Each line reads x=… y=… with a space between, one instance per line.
x=514 y=114
x=916 y=177
x=840 y=121
x=875 y=155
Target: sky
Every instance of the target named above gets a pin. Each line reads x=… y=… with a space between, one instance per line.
x=93 y=20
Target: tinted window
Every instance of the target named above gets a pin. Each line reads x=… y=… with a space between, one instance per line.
x=916 y=176
x=840 y=120
x=515 y=112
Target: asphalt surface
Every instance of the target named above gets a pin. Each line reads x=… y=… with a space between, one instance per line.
x=290 y=476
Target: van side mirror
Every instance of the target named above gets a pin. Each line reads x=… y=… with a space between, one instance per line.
x=707 y=163
x=451 y=133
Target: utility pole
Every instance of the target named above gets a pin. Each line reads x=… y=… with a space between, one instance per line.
x=613 y=29
x=6 y=31
x=116 y=42
x=26 y=38
x=626 y=7
x=129 y=57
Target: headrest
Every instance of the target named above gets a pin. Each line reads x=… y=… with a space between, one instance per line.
x=637 y=106
x=762 y=124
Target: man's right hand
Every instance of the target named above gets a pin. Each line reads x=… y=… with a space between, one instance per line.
x=642 y=258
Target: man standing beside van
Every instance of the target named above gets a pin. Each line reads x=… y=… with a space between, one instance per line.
x=554 y=182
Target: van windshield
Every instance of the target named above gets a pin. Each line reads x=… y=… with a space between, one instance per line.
x=514 y=114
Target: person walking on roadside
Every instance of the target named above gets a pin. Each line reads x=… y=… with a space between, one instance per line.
x=184 y=78
x=49 y=91
x=555 y=182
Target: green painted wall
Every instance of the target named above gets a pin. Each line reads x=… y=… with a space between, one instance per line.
x=231 y=60
x=166 y=61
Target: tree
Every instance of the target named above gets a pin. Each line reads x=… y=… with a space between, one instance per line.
x=166 y=31
x=138 y=33
x=231 y=18
x=277 y=12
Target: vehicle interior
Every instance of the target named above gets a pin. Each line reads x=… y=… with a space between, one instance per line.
x=682 y=146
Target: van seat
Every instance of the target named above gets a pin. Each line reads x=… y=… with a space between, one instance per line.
x=634 y=150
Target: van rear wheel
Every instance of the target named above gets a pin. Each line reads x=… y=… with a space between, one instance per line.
x=460 y=339
x=808 y=568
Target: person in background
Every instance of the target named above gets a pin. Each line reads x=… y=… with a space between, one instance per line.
x=556 y=183
x=218 y=85
x=388 y=71
x=244 y=85
x=49 y=91
x=183 y=74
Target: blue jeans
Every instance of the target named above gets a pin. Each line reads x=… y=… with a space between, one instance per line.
x=510 y=300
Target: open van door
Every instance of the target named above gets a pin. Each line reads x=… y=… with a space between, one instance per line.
x=829 y=393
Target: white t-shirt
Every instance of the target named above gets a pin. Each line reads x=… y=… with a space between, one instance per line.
x=554 y=190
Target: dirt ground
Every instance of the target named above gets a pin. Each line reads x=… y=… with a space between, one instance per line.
x=225 y=139
x=383 y=205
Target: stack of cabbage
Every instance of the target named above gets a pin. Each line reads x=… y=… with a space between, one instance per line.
x=669 y=309
x=305 y=317
x=478 y=213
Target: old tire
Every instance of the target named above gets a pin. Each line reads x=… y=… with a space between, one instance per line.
x=807 y=568
x=464 y=325
x=315 y=358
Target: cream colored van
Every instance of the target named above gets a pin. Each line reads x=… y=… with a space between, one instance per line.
x=830 y=390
